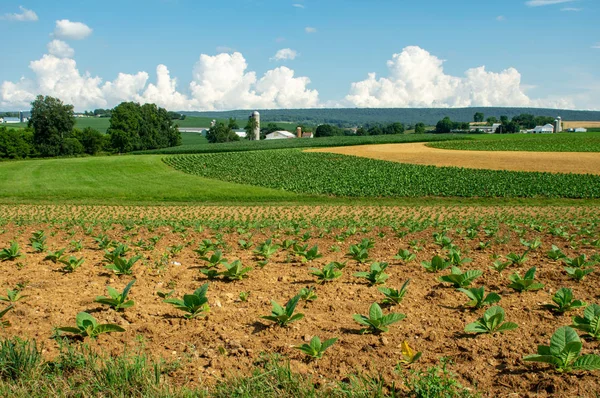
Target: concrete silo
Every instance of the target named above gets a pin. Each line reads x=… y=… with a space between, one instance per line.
x=256 y=116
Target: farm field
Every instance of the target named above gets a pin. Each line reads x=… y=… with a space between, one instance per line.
x=424 y=154
x=585 y=124
x=231 y=338
x=319 y=173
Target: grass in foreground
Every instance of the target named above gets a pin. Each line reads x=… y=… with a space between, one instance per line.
x=340 y=175
x=78 y=371
x=562 y=142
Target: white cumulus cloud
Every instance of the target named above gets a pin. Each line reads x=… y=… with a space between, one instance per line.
x=60 y=49
x=417 y=79
x=298 y=5
x=539 y=3
x=310 y=29
x=285 y=54
x=67 y=30
x=24 y=16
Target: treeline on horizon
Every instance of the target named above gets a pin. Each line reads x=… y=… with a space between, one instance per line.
x=354 y=117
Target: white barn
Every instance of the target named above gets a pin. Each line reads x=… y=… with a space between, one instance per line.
x=11 y=120
x=279 y=135
x=547 y=128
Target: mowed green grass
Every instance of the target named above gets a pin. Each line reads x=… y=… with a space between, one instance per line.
x=119 y=180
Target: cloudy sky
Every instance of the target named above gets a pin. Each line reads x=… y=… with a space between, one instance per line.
x=234 y=54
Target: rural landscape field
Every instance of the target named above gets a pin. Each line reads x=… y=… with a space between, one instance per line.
x=342 y=199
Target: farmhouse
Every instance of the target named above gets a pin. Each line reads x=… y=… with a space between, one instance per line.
x=279 y=135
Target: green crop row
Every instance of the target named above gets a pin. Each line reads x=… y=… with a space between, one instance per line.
x=245 y=145
x=349 y=176
x=565 y=142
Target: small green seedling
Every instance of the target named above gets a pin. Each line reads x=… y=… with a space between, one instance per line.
x=215 y=259
x=12 y=296
x=316 y=348
x=517 y=259
x=459 y=278
x=329 y=273
x=244 y=296
x=405 y=255
x=393 y=296
x=491 y=322
x=500 y=266
x=564 y=301
x=38 y=241
x=580 y=261
x=245 y=244
x=527 y=283
x=555 y=254
x=310 y=255
x=359 y=253
x=266 y=250
x=375 y=276
x=119 y=251
x=283 y=316
x=87 y=326
x=195 y=304
x=579 y=274
x=117 y=300
x=210 y=273
x=308 y=294
x=122 y=266
x=72 y=263
x=533 y=245
x=478 y=297
x=376 y=322
x=409 y=356
x=4 y=323
x=204 y=247
x=564 y=352
x=590 y=323
x=235 y=271
x=10 y=253
x=436 y=264
x=455 y=257
x=56 y=256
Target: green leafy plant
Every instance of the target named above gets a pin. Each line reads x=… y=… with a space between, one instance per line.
x=329 y=273
x=204 y=247
x=245 y=244
x=393 y=296
x=310 y=254
x=555 y=254
x=316 y=348
x=580 y=261
x=517 y=259
x=376 y=322
x=210 y=273
x=266 y=249
x=55 y=256
x=244 y=296
x=579 y=274
x=12 y=296
x=118 y=251
x=590 y=323
x=376 y=274
x=308 y=294
x=526 y=283
x=215 y=259
x=235 y=271
x=117 y=300
x=409 y=356
x=564 y=301
x=531 y=245
x=122 y=266
x=283 y=316
x=459 y=278
x=10 y=253
x=76 y=246
x=5 y=323
x=436 y=264
x=477 y=297
x=455 y=257
x=87 y=326
x=564 y=352
x=359 y=253
x=194 y=305
x=500 y=266
x=491 y=322
x=405 y=255
x=72 y=263
x=38 y=241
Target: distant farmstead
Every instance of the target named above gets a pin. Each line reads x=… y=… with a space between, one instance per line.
x=10 y=120
x=279 y=135
x=545 y=129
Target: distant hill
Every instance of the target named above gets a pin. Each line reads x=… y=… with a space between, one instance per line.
x=362 y=116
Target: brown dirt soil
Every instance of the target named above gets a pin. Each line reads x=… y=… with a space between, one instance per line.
x=419 y=153
x=232 y=336
x=575 y=124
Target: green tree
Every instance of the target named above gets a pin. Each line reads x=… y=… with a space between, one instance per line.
x=52 y=122
x=92 y=140
x=221 y=132
x=491 y=120
x=327 y=130
x=394 y=128
x=478 y=117
x=120 y=141
x=233 y=124
x=250 y=127
x=361 y=131
x=15 y=144
x=444 y=126
x=420 y=128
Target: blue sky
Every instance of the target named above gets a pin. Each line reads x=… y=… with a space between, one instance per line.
x=550 y=46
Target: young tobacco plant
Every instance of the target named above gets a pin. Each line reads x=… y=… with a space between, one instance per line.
x=375 y=276
x=283 y=316
x=329 y=272
x=436 y=264
x=359 y=253
x=409 y=356
x=117 y=300
x=455 y=257
x=215 y=259
x=376 y=322
x=308 y=294
x=122 y=266
x=38 y=241
x=10 y=253
x=12 y=296
x=310 y=254
x=72 y=263
x=87 y=326
x=56 y=256
x=517 y=259
x=194 y=305
x=491 y=322
x=266 y=250
x=555 y=254
x=477 y=297
x=460 y=279
x=235 y=271
x=5 y=323
x=405 y=255
x=526 y=283
x=393 y=296
x=500 y=266
x=316 y=348
x=564 y=301
x=590 y=323
x=564 y=352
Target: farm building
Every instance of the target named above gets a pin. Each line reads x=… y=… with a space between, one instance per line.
x=308 y=135
x=547 y=128
x=240 y=133
x=11 y=120
x=485 y=128
x=580 y=130
x=279 y=135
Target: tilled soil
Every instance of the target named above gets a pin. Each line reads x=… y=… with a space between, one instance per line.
x=232 y=337
x=420 y=153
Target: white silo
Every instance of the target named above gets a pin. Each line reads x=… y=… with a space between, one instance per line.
x=558 y=128
x=256 y=117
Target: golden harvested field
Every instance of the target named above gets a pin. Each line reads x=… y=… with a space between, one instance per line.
x=419 y=153
x=575 y=124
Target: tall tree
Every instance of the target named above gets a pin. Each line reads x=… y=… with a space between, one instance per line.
x=478 y=117
x=250 y=127
x=419 y=128
x=52 y=122
x=221 y=132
